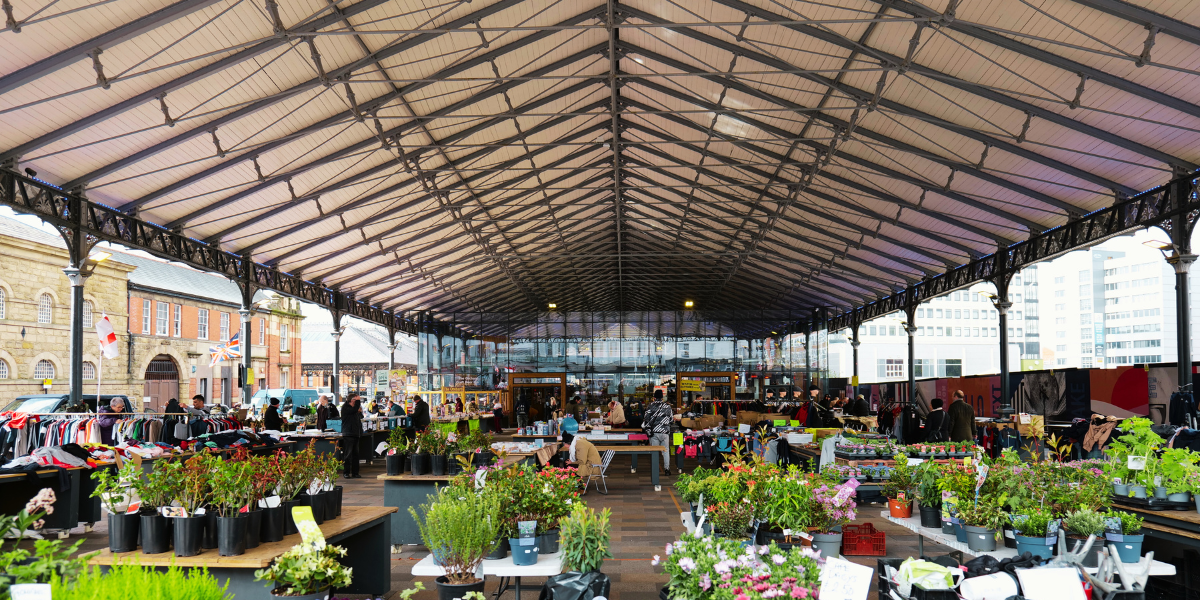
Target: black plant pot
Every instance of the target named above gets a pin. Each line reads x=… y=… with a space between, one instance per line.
x=231 y=535
x=437 y=464
x=419 y=464
x=272 y=524
x=316 y=502
x=453 y=466
x=123 y=532
x=501 y=550
x=931 y=516
x=330 y=505
x=766 y=536
x=482 y=459
x=548 y=542
x=289 y=524
x=395 y=464
x=254 y=521
x=187 y=533
x=450 y=591
x=155 y=534
x=209 y=541
x=336 y=494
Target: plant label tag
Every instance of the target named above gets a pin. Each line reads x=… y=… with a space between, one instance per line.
x=844 y=580
x=787 y=533
x=1052 y=527
x=1112 y=525
x=1051 y=584
x=1117 y=480
x=173 y=511
x=802 y=534
x=1158 y=481
x=527 y=529
x=381 y=447
x=272 y=501
x=915 y=461
x=199 y=512
x=310 y=532
x=133 y=509
x=244 y=509
x=30 y=591
x=480 y=479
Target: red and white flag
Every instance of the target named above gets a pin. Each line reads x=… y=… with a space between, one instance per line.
x=108 y=337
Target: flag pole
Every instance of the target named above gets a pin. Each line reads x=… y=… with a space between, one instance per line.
x=99 y=375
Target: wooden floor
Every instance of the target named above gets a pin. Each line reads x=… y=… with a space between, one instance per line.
x=643 y=522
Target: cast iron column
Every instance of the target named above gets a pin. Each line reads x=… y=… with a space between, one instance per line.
x=1181 y=259
x=334 y=385
x=247 y=351
x=77 y=278
x=1002 y=305
x=911 y=328
x=854 y=343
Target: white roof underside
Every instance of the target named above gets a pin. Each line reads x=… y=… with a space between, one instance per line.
x=458 y=156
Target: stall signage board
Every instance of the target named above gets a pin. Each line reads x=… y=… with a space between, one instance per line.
x=844 y=580
x=691 y=385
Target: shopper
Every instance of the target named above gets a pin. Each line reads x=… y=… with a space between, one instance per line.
x=962 y=419
x=498 y=416
x=109 y=415
x=420 y=415
x=657 y=424
x=271 y=419
x=325 y=412
x=198 y=412
x=523 y=412
x=552 y=407
x=616 y=414
x=351 y=431
x=937 y=425
x=860 y=407
x=582 y=454
x=176 y=425
x=575 y=408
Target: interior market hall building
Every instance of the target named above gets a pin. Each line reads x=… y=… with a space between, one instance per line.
x=799 y=235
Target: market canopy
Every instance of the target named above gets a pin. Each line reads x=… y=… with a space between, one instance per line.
x=503 y=155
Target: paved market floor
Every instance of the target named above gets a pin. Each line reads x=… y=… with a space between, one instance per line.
x=643 y=522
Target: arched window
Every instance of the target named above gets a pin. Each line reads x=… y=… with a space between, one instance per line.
x=3 y=370
x=87 y=314
x=44 y=369
x=45 y=309
x=89 y=370
x=3 y=297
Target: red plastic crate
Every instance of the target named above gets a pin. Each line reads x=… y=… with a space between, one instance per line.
x=863 y=540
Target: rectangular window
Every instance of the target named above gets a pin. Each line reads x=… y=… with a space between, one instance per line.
x=146 y=317
x=1085 y=333
x=178 y=322
x=1060 y=293
x=1060 y=348
x=923 y=367
x=974 y=332
x=1031 y=311
x=1085 y=304
x=995 y=332
x=1147 y=343
x=871 y=329
x=224 y=327
x=939 y=313
x=1085 y=276
x=921 y=331
x=1018 y=315
x=958 y=314
x=1010 y=332
x=161 y=317
x=1060 y=320
x=1086 y=362
x=1060 y=280
x=949 y=367
x=262 y=332
x=892 y=330
x=920 y=313
x=1085 y=348
x=1020 y=332
x=974 y=314
x=1031 y=327
x=202 y=324
x=938 y=331
x=958 y=332
x=283 y=337
x=1060 y=362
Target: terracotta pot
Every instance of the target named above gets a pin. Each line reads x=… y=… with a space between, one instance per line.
x=900 y=509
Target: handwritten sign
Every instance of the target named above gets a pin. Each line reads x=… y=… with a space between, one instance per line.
x=30 y=591
x=844 y=580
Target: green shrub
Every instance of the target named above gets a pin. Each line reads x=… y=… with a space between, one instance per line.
x=1131 y=524
x=583 y=539
x=1033 y=523
x=127 y=581
x=1084 y=522
x=459 y=529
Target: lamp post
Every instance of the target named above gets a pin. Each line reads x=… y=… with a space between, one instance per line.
x=1002 y=305
x=77 y=275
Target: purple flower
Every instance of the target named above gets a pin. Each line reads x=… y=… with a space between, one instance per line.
x=778 y=559
x=687 y=564
x=705 y=582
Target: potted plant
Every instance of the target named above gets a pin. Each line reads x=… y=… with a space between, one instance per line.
x=307 y=571
x=786 y=508
x=982 y=522
x=1174 y=467
x=1031 y=529
x=189 y=484
x=697 y=565
x=436 y=444
x=419 y=460
x=154 y=490
x=309 y=470
x=459 y=530
x=396 y=451
x=1082 y=524
x=833 y=507
x=115 y=489
x=898 y=489
x=584 y=547
x=290 y=475
x=259 y=471
x=45 y=561
x=230 y=495
x=1129 y=540
x=731 y=520
x=925 y=476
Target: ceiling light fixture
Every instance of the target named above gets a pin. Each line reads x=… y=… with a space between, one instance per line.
x=553 y=306
x=688 y=304
x=1158 y=244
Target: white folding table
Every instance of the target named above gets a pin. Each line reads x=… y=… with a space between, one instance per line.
x=548 y=565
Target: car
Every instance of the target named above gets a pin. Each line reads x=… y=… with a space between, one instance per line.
x=58 y=403
x=289 y=399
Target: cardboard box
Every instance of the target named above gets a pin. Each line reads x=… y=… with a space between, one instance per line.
x=1036 y=426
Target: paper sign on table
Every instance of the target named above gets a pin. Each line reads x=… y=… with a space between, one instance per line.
x=794 y=423
x=744 y=428
x=309 y=530
x=30 y=591
x=677 y=439
x=844 y=580
x=780 y=422
x=1051 y=584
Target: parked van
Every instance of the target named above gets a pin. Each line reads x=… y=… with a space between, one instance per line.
x=56 y=403
x=289 y=399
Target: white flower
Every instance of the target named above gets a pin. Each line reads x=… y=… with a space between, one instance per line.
x=655 y=561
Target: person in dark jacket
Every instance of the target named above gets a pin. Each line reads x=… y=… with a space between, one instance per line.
x=420 y=414
x=271 y=419
x=109 y=415
x=325 y=411
x=860 y=407
x=962 y=419
x=937 y=425
x=351 y=432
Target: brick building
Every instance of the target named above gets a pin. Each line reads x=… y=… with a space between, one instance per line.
x=166 y=316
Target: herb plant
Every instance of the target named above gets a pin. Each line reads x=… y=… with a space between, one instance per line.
x=124 y=581
x=460 y=530
x=48 y=560
x=584 y=539
x=1084 y=522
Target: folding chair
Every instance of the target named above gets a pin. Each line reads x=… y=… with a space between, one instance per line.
x=604 y=460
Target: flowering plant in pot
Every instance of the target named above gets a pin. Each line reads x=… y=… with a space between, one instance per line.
x=459 y=530
x=434 y=443
x=983 y=520
x=834 y=508
x=189 y=484
x=116 y=491
x=396 y=450
x=307 y=571
x=1031 y=529
x=49 y=559
x=718 y=568
x=899 y=488
x=731 y=520
x=925 y=478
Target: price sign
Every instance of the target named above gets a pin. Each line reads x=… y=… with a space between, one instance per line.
x=844 y=580
x=309 y=530
x=30 y=591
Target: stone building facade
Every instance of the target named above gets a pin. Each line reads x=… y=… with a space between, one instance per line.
x=166 y=316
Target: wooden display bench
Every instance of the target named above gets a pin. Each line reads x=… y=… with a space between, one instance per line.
x=362 y=530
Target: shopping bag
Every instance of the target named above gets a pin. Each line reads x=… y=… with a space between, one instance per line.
x=576 y=586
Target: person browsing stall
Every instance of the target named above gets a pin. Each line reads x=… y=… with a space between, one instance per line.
x=271 y=419
x=582 y=454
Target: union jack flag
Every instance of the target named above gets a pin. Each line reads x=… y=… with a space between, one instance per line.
x=229 y=351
